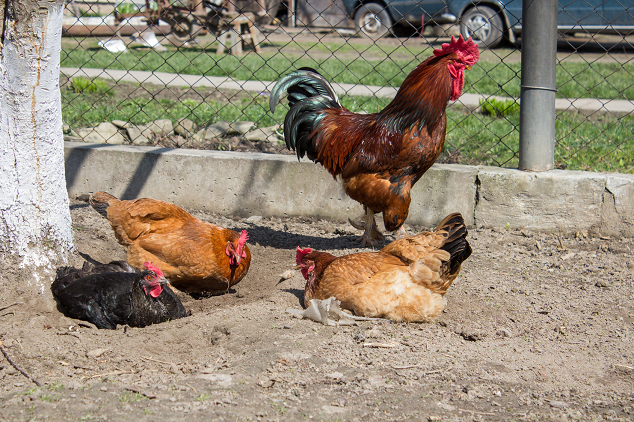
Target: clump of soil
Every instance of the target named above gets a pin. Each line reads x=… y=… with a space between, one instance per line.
x=538 y=327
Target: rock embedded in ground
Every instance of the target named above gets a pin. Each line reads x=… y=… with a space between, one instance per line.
x=216 y=130
x=104 y=133
x=137 y=134
x=121 y=124
x=185 y=127
x=240 y=128
x=161 y=127
x=265 y=134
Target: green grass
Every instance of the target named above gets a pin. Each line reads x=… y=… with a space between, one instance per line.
x=83 y=85
x=601 y=145
x=497 y=108
x=126 y=7
x=130 y=396
x=358 y=65
x=203 y=397
x=488 y=137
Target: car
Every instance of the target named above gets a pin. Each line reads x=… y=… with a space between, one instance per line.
x=488 y=22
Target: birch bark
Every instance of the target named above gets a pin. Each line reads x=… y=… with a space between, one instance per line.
x=35 y=225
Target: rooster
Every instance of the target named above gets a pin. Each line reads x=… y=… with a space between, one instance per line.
x=195 y=256
x=379 y=156
x=115 y=293
x=404 y=281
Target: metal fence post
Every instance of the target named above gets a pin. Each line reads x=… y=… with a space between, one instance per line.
x=538 y=86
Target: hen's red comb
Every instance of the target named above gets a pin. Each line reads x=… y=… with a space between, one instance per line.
x=300 y=254
x=150 y=266
x=467 y=50
x=244 y=236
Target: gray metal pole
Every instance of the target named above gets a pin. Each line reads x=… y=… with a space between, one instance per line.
x=537 y=108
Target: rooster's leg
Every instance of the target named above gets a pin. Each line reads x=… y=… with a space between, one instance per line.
x=371 y=234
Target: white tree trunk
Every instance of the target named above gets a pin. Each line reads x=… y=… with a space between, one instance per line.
x=35 y=226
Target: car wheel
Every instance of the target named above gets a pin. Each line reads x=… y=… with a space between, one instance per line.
x=483 y=25
x=372 y=20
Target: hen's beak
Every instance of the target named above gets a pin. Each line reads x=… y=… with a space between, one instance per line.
x=468 y=67
x=163 y=280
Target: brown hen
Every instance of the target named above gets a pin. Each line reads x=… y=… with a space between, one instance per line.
x=194 y=255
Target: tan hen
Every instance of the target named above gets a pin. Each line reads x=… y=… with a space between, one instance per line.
x=404 y=281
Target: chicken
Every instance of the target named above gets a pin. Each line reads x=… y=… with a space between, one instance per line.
x=379 y=156
x=195 y=256
x=115 y=293
x=404 y=281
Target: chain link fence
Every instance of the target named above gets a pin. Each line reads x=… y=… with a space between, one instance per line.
x=196 y=74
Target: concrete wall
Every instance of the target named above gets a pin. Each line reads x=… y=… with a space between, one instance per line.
x=246 y=184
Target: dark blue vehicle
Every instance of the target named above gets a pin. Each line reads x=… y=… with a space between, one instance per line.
x=488 y=22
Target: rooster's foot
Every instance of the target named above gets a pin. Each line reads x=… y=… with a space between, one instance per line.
x=374 y=239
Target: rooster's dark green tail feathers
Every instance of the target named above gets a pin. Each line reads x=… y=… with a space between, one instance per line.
x=300 y=121
x=301 y=84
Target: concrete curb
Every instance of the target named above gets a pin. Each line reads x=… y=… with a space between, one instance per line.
x=245 y=184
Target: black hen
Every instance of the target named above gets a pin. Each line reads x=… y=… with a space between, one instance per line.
x=115 y=293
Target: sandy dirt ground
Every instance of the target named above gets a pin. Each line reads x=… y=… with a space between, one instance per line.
x=538 y=327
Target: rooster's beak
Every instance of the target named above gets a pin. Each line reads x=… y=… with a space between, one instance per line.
x=468 y=67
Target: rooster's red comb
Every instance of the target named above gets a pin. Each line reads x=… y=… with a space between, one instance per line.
x=150 y=266
x=300 y=254
x=467 y=50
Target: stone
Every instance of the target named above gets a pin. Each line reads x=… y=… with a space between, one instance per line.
x=503 y=332
x=185 y=127
x=240 y=128
x=376 y=381
x=470 y=334
x=136 y=135
x=557 y=404
x=373 y=333
x=287 y=274
x=95 y=353
x=335 y=375
x=221 y=380
x=162 y=127
x=265 y=134
x=105 y=133
x=216 y=130
x=121 y=124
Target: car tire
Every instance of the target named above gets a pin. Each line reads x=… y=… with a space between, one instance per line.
x=373 y=21
x=484 y=25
